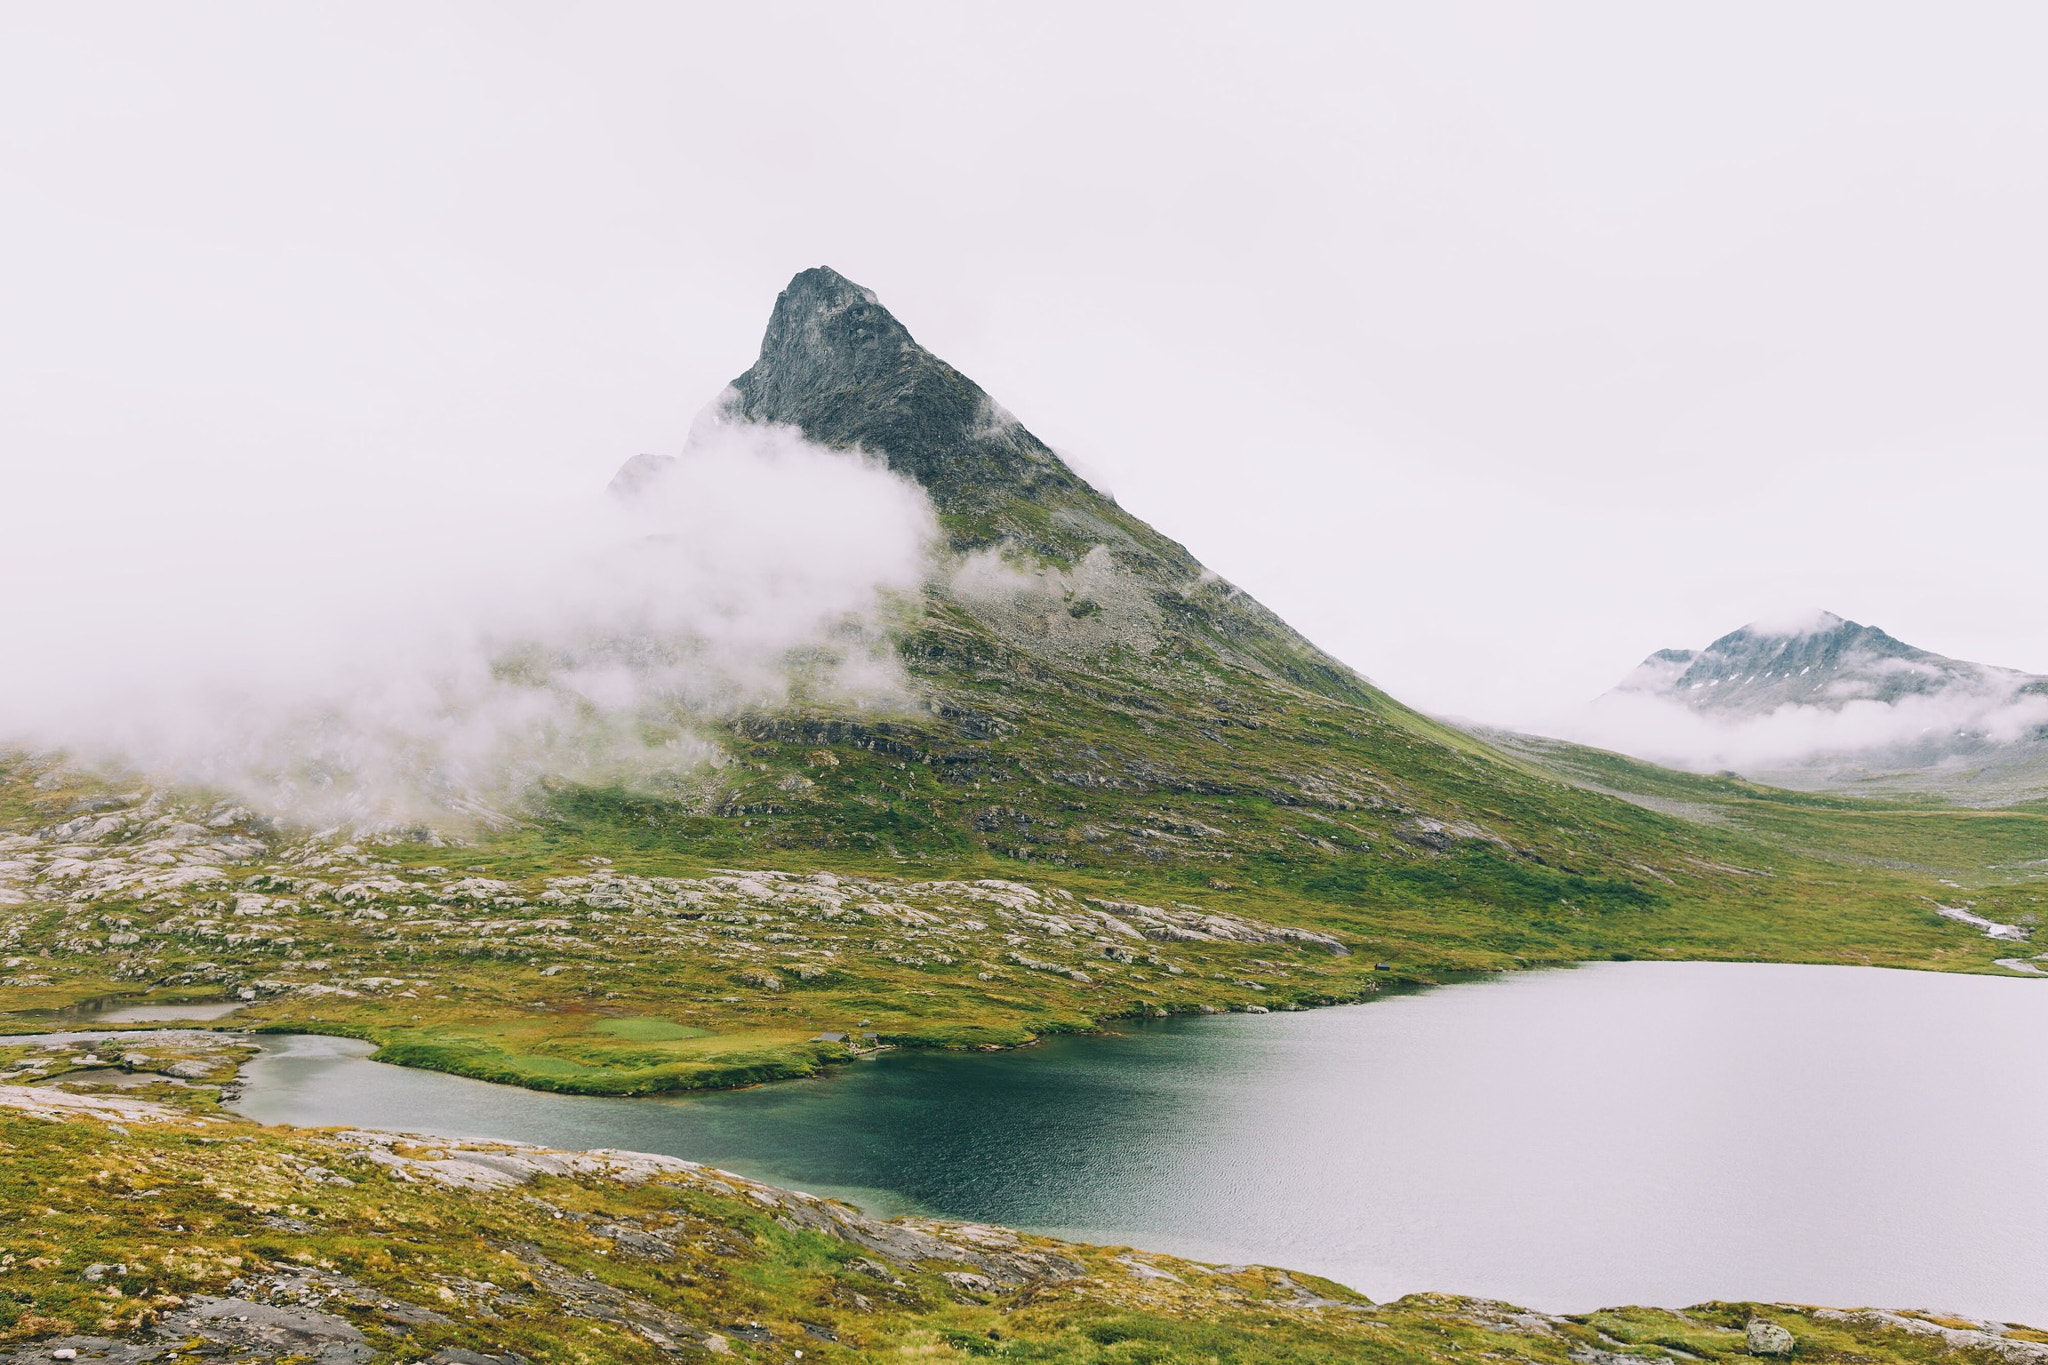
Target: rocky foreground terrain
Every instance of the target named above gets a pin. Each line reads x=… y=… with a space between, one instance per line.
x=144 y=1223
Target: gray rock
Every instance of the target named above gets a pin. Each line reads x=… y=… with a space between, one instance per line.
x=967 y=1282
x=997 y=1254
x=838 y=365
x=99 y=1350
x=1591 y=1355
x=585 y=1297
x=268 y=1333
x=1986 y=1337
x=1769 y=1339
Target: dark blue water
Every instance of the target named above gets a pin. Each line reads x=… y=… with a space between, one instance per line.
x=1626 y=1132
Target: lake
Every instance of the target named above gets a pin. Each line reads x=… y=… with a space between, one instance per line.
x=1616 y=1133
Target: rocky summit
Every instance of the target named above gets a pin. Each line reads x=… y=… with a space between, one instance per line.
x=838 y=366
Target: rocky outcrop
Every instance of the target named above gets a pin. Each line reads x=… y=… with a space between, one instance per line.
x=1767 y=1339
x=584 y=1297
x=997 y=1253
x=838 y=366
x=1988 y=1337
x=241 y=1329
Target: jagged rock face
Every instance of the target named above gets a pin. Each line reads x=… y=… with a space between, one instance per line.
x=1827 y=662
x=838 y=365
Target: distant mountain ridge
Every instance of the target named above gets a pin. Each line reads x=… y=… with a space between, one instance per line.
x=1826 y=661
x=1828 y=702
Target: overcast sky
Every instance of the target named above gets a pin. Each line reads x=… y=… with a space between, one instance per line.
x=1494 y=346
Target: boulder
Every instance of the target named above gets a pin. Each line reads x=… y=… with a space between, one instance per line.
x=1768 y=1339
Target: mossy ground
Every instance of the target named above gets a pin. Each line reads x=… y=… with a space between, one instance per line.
x=533 y=983
x=107 y=1229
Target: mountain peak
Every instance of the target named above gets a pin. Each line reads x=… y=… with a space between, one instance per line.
x=1796 y=625
x=839 y=366
x=1815 y=659
x=822 y=286
x=844 y=371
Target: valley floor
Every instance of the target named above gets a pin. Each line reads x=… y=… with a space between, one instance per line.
x=527 y=959
x=140 y=1221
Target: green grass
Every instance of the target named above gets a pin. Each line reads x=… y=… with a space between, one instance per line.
x=641 y=1029
x=106 y=1230
x=634 y=1001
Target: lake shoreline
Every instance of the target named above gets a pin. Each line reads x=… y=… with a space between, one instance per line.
x=588 y=1247
x=397 y=1050
x=1156 y=1134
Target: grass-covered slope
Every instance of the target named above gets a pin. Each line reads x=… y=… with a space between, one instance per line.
x=2000 y=854
x=1119 y=786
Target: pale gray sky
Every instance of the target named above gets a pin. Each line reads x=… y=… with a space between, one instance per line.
x=1494 y=345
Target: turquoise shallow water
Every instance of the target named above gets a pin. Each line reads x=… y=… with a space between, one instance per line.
x=1622 y=1132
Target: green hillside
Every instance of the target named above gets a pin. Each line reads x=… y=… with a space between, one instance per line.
x=1123 y=787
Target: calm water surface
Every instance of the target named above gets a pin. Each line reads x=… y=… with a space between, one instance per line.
x=161 y=1014
x=1624 y=1132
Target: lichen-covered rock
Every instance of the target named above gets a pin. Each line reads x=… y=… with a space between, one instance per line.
x=241 y=1330
x=1768 y=1339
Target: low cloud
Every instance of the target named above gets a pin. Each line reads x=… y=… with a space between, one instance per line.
x=377 y=669
x=1912 y=731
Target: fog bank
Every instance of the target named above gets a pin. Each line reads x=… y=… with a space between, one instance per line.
x=1913 y=731
x=422 y=652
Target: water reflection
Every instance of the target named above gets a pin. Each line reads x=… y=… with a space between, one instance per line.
x=159 y=1014
x=1627 y=1132
x=119 y=1009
